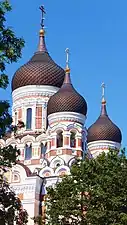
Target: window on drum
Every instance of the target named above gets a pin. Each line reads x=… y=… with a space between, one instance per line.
x=60 y=139
x=72 y=140
x=29 y=119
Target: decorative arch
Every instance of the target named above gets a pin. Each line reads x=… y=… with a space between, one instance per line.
x=21 y=170
x=46 y=172
x=41 y=138
x=28 y=138
x=56 y=162
x=74 y=127
x=71 y=162
x=13 y=142
x=58 y=127
x=62 y=170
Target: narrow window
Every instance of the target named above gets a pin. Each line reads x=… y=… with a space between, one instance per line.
x=43 y=149
x=29 y=119
x=60 y=139
x=28 y=152
x=72 y=140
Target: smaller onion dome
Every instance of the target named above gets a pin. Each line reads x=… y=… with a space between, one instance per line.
x=104 y=128
x=67 y=99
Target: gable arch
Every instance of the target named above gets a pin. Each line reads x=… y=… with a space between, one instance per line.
x=28 y=138
x=22 y=170
x=58 y=127
x=62 y=170
x=71 y=161
x=41 y=138
x=12 y=142
x=46 y=172
x=74 y=127
x=55 y=161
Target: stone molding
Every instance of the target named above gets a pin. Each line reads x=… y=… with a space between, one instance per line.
x=24 y=188
x=34 y=90
x=66 y=116
x=96 y=147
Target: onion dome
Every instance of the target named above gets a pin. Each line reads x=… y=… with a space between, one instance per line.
x=67 y=99
x=40 y=69
x=104 y=128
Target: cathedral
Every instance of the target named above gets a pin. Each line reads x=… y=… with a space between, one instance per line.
x=54 y=132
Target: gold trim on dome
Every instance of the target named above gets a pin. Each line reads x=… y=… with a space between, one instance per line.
x=67 y=70
x=42 y=32
x=103 y=101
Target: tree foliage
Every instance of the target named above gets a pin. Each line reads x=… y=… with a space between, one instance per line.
x=10 y=45
x=95 y=193
x=10 y=51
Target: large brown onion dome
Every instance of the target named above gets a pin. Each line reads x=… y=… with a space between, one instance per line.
x=67 y=99
x=104 y=128
x=39 y=70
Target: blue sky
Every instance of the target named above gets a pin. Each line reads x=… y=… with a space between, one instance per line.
x=96 y=33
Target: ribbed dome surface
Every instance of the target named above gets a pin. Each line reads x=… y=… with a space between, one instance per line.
x=40 y=70
x=104 y=129
x=67 y=99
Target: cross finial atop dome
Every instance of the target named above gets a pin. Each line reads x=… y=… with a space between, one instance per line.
x=42 y=19
x=67 y=70
x=103 y=93
x=42 y=45
x=67 y=79
x=103 y=102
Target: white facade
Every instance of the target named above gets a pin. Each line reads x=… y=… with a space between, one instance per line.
x=57 y=158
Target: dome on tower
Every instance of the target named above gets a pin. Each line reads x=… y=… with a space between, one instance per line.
x=40 y=69
x=104 y=128
x=67 y=99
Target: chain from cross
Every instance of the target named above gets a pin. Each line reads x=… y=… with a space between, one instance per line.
x=43 y=12
x=103 y=89
x=67 y=56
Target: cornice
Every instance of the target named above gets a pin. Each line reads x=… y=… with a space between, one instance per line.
x=66 y=116
x=34 y=91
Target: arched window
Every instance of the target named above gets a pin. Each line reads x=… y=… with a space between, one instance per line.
x=28 y=152
x=16 y=178
x=43 y=148
x=72 y=140
x=59 y=139
x=29 y=119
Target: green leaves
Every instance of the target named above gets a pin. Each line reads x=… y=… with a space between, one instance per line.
x=10 y=51
x=10 y=45
x=94 y=194
x=11 y=208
